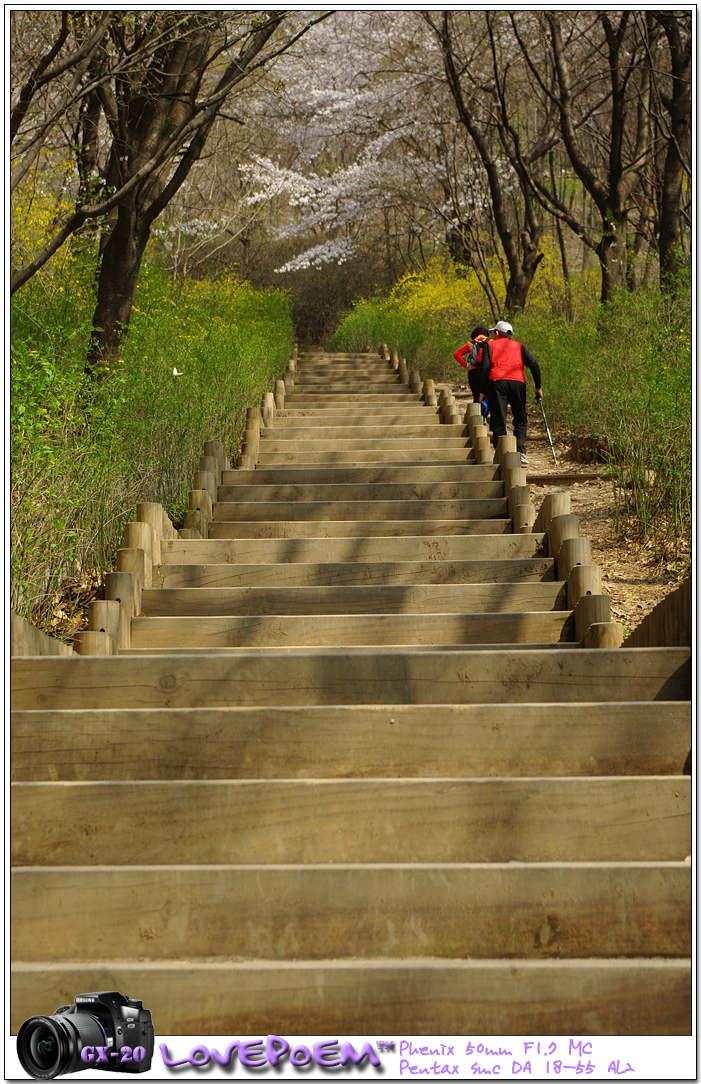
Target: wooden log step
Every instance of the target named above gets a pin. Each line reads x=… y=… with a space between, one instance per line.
x=335 y=411
x=337 y=677
x=217 y=822
x=377 y=491
x=364 y=433
x=406 y=474
x=471 y=598
x=345 y=378
x=276 y=443
x=388 y=457
x=429 y=418
x=533 y=911
x=350 y=528
x=335 y=630
x=358 y=510
x=358 y=649
x=377 y=997
x=352 y=573
x=353 y=741
x=349 y=550
x=311 y=393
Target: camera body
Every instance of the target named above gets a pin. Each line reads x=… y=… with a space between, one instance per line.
x=100 y=1031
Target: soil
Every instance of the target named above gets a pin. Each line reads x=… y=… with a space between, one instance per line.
x=634 y=576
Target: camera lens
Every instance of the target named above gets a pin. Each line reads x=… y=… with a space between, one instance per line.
x=43 y=1047
x=48 y=1046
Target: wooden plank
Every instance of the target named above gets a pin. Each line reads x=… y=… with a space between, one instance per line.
x=352 y=528
x=358 y=511
x=539 y=911
x=357 y=572
x=371 y=474
x=394 y=820
x=336 y=677
x=349 y=550
x=363 y=599
x=327 y=630
x=382 y=492
x=375 y=997
x=377 y=456
x=368 y=741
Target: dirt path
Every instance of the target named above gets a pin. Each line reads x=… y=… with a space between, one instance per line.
x=632 y=577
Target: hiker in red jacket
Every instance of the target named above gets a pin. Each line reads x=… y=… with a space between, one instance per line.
x=473 y=349
x=504 y=383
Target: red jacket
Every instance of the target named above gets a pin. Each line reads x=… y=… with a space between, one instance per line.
x=507 y=362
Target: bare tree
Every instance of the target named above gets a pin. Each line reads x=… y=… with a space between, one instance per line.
x=156 y=81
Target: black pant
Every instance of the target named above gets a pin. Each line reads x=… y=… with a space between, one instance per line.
x=512 y=393
x=474 y=379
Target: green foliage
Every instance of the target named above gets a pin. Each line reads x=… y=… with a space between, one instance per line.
x=620 y=372
x=84 y=454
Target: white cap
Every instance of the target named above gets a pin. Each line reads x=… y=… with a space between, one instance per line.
x=503 y=327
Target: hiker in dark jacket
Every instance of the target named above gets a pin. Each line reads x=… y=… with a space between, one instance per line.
x=503 y=371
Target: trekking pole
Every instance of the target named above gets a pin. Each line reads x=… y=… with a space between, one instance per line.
x=547 y=429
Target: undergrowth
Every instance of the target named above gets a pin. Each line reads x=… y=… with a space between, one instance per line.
x=83 y=454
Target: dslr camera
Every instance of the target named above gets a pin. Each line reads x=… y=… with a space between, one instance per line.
x=101 y=1031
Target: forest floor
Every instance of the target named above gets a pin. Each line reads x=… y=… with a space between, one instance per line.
x=634 y=576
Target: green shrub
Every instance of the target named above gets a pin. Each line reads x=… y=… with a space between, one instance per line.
x=84 y=454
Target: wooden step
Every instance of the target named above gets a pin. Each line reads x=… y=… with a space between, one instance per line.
x=358 y=511
x=406 y=474
x=381 y=492
x=353 y=528
x=277 y=443
x=376 y=433
x=629 y=818
x=363 y=629
x=463 y=599
x=424 y=677
x=361 y=997
x=378 y=458
x=430 y=418
x=353 y=741
x=355 y=573
x=312 y=912
x=350 y=550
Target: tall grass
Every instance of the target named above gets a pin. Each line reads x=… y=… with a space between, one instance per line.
x=84 y=454
x=620 y=373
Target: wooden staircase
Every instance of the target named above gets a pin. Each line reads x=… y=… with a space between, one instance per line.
x=355 y=771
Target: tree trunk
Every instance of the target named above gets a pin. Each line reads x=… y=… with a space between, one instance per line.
x=612 y=255
x=118 y=279
x=521 y=277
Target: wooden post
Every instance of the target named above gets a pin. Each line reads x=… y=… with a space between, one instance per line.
x=119 y=587
x=384 y=352
x=279 y=395
x=582 y=580
x=140 y=536
x=295 y=351
x=590 y=610
x=217 y=449
x=472 y=410
x=514 y=476
x=198 y=501
x=508 y=461
x=94 y=643
x=197 y=521
x=133 y=561
x=573 y=552
x=554 y=504
x=268 y=409
x=506 y=443
x=560 y=528
x=608 y=634
x=523 y=518
x=518 y=495
x=289 y=383
x=152 y=513
x=394 y=358
x=403 y=374
x=204 y=479
x=429 y=389
x=103 y=616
